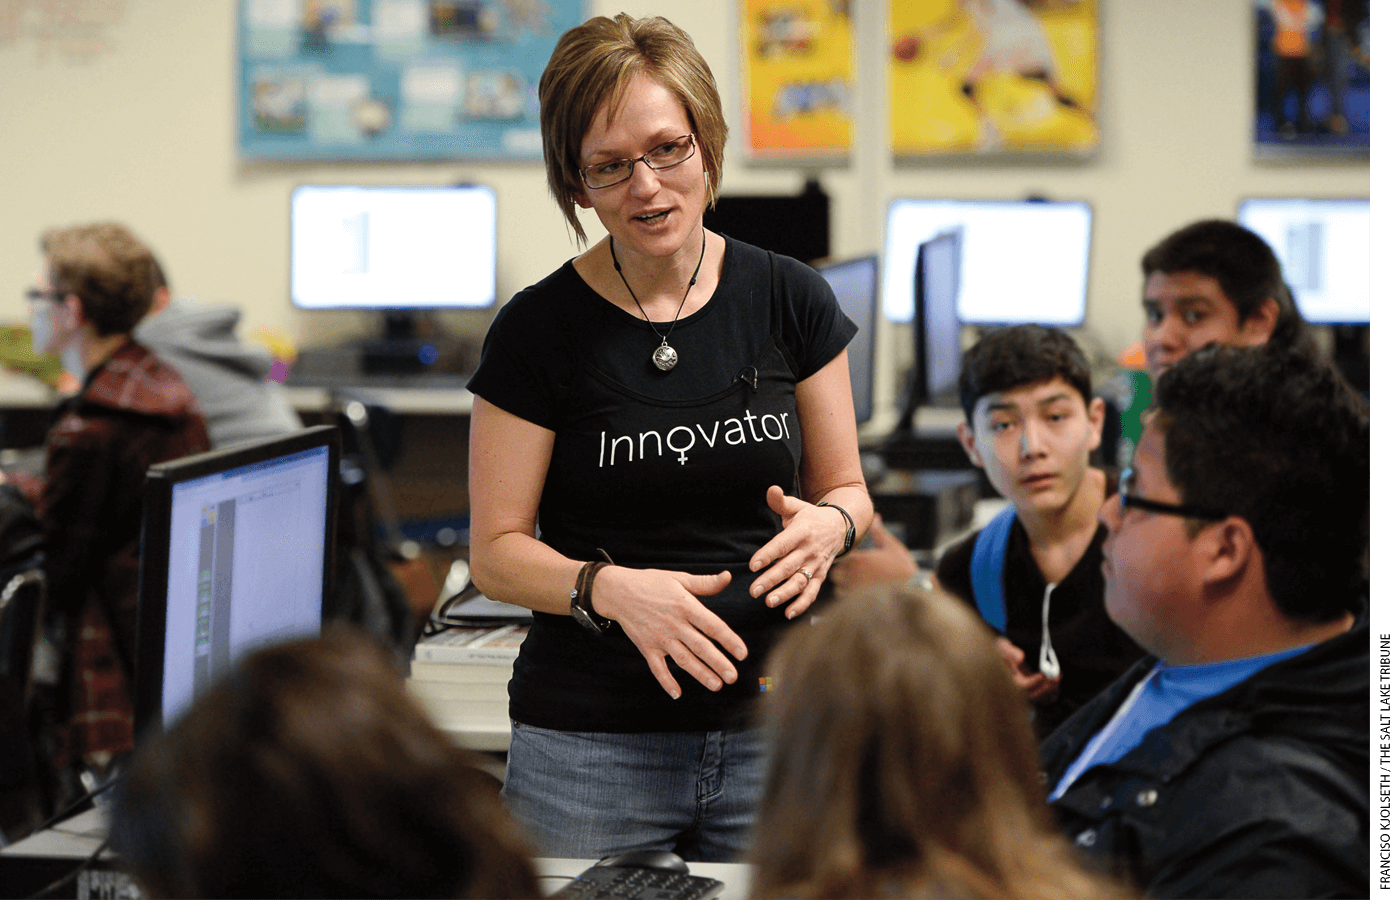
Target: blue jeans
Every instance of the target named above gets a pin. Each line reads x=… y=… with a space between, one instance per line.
x=592 y=795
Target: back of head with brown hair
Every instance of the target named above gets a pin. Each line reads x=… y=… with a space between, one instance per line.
x=311 y=772
x=107 y=267
x=592 y=65
x=903 y=762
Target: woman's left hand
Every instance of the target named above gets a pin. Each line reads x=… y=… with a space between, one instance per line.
x=798 y=558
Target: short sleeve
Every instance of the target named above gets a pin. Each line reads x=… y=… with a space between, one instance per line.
x=520 y=364
x=813 y=329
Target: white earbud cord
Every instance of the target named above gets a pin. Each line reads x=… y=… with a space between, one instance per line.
x=1049 y=663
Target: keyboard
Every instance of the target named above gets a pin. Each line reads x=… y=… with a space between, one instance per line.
x=627 y=883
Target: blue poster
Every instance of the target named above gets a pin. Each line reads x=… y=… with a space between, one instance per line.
x=395 y=79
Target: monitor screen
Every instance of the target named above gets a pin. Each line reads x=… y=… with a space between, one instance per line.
x=854 y=283
x=939 y=270
x=1022 y=261
x=235 y=554
x=391 y=247
x=1324 y=247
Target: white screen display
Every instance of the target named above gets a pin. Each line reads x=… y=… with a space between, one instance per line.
x=1324 y=247
x=378 y=247
x=1022 y=261
x=247 y=549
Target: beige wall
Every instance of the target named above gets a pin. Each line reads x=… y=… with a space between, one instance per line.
x=145 y=133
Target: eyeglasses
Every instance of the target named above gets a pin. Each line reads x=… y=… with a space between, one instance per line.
x=34 y=295
x=1127 y=480
x=671 y=153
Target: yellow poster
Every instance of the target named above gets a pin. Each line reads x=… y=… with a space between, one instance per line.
x=989 y=76
x=799 y=70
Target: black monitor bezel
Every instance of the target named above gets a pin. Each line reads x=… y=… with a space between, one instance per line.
x=917 y=393
x=873 y=261
x=921 y=317
x=157 y=507
x=389 y=306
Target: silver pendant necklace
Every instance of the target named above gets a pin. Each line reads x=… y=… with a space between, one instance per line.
x=665 y=356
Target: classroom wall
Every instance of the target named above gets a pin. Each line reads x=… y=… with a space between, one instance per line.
x=139 y=126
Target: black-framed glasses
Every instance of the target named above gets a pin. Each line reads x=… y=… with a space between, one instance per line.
x=1127 y=480
x=34 y=295
x=663 y=156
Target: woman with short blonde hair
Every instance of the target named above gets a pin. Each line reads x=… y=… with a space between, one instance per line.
x=663 y=465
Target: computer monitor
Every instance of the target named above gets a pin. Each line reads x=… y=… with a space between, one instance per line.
x=796 y=225
x=1022 y=260
x=236 y=554
x=938 y=273
x=1325 y=249
x=855 y=284
x=385 y=248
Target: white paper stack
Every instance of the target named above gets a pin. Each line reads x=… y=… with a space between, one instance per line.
x=460 y=676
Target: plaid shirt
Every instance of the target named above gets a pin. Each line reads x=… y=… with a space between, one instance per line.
x=133 y=411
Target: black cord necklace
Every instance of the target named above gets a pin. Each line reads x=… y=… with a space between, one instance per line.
x=665 y=356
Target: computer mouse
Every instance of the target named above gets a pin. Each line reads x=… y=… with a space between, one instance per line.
x=647 y=859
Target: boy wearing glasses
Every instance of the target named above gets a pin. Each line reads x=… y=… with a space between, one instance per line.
x=1233 y=762
x=132 y=411
x=1033 y=572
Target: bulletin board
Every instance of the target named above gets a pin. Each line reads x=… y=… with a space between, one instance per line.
x=395 y=79
x=798 y=59
x=993 y=76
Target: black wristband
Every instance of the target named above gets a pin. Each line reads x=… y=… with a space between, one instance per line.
x=850 y=528
x=581 y=597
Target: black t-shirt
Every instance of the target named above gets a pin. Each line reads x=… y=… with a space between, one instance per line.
x=1092 y=651
x=659 y=469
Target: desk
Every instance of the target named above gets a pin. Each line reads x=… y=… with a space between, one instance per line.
x=29 y=865
x=20 y=392
x=407 y=401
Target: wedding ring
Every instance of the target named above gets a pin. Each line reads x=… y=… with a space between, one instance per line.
x=805 y=574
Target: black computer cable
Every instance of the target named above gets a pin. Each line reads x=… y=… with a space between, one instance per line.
x=73 y=807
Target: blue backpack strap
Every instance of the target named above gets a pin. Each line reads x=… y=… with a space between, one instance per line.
x=988 y=563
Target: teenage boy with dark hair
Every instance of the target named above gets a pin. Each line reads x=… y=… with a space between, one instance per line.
x=1033 y=572
x=1214 y=282
x=1234 y=763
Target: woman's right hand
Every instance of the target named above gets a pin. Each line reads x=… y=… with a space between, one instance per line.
x=660 y=613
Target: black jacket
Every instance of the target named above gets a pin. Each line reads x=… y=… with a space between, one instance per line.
x=1259 y=791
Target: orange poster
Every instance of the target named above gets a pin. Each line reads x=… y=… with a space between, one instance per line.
x=799 y=70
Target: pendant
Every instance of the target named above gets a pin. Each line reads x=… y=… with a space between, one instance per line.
x=665 y=357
